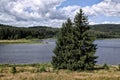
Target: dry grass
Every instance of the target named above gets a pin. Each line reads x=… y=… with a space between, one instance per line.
x=31 y=73
x=18 y=41
x=15 y=41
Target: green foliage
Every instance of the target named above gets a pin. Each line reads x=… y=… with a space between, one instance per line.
x=10 y=32
x=106 y=30
x=119 y=67
x=75 y=49
x=105 y=66
x=13 y=70
x=64 y=46
x=42 y=69
x=29 y=37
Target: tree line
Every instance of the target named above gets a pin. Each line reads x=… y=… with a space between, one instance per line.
x=11 y=32
x=106 y=30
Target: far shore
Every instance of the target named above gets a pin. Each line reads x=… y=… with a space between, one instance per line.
x=19 y=41
x=39 y=41
x=26 y=41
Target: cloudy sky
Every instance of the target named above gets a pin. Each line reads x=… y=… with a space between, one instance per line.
x=55 y=12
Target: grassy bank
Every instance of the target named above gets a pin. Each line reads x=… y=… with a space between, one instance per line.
x=46 y=72
x=19 y=41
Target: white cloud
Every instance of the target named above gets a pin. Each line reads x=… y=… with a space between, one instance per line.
x=106 y=7
x=46 y=12
x=111 y=22
x=104 y=22
x=31 y=12
x=92 y=23
x=35 y=12
x=70 y=11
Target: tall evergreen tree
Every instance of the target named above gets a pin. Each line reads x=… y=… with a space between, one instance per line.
x=75 y=49
x=64 y=46
x=83 y=46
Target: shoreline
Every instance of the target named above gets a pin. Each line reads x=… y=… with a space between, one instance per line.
x=26 y=41
x=19 y=41
x=30 y=41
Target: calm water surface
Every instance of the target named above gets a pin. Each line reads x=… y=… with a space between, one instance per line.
x=108 y=52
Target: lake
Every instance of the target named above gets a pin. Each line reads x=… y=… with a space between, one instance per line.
x=107 y=50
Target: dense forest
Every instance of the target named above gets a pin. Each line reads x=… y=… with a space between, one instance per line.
x=106 y=30
x=12 y=32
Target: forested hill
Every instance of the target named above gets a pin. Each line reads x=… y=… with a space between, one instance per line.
x=107 y=27
x=12 y=32
x=107 y=30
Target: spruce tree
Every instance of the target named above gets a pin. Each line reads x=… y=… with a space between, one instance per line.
x=84 y=49
x=74 y=47
x=64 y=45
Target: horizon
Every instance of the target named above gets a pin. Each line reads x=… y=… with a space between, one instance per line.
x=49 y=26
x=53 y=13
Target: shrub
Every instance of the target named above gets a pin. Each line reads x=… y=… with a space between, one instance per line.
x=119 y=67
x=13 y=70
x=105 y=66
x=42 y=69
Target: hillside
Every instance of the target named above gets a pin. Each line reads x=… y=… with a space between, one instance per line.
x=12 y=32
x=107 y=30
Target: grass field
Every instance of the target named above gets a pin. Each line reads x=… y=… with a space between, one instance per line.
x=46 y=72
x=18 y=41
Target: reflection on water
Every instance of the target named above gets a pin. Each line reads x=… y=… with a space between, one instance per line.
x=108 y=52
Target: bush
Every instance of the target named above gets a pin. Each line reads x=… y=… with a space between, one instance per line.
x=41 y=69
x=13 y=70
x=119 y=67
x=105 y=66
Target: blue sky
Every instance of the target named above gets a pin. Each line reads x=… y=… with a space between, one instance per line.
x=24 y=13
x=81 y=3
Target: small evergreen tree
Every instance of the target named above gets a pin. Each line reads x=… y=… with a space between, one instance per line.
x=64 y=46
x=74 y=48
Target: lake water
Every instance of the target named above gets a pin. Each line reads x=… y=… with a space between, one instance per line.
x=108 y=52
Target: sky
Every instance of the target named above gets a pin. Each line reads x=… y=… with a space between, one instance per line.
x=24 y=13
